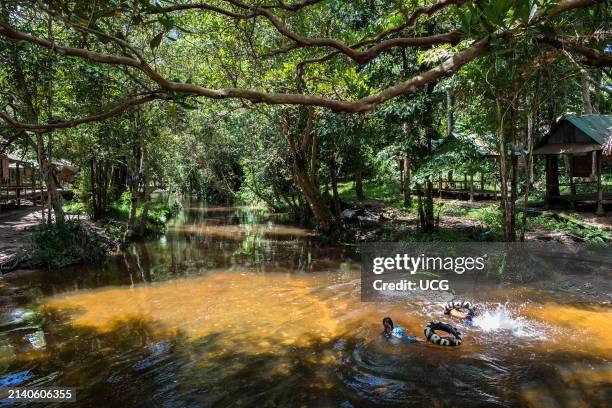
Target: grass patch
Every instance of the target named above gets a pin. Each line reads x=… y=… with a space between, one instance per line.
x=587 y=232
x=75 y=207
x=388 y=192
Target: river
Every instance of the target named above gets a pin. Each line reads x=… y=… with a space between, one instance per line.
x=232 y=307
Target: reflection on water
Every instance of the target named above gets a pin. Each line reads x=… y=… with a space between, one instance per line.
x=231 y=309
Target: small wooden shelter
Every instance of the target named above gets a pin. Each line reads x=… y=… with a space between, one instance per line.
x=17 y=179
x=580 y=140
x=464 y=148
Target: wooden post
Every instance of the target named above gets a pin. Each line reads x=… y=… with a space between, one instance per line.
x=472 y=187
x=465 y=182
x=571 y=182
x=450 y=183
x=600 y=210
x=33 y=181
x=1 y=180
x=482 y=186
x=552 y=178
x=18 y=181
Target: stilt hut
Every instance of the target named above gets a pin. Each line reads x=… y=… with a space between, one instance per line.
x=17 y=180
x=583 y=142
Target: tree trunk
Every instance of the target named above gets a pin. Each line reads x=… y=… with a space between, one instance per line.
x=146 y=197
x=586 y=95
x=450 y=123
x=299 y=141
x=597 y=92
x=406 y=183
x=503 y=169
x=324 y=217
x=359 y=181
x=530 y=116
x=513 y=177
x=429 y=207
x=333 y=170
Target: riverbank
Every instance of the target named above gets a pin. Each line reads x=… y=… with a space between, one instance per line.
x=460 y=221
x=24 y=245
x=15 y=226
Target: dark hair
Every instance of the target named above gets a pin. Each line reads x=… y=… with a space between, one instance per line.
x=388 y=324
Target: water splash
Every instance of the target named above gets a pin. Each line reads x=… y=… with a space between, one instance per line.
x=502 y=318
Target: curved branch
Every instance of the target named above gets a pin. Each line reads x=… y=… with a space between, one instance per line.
x=594 y=58
x=303 y=42
x=365 y=104
x=294 y=6
x=410 y=86
x=87 y=30
x=62 y=124
x=363 y=57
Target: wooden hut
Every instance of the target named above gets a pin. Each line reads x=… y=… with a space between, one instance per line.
x=463 y=148
x=581 y=140
x=17 y=179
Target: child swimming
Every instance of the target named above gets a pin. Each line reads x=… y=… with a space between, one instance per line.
x=396 y=332
x=467 y=315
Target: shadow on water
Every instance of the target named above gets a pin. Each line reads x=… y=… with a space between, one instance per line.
x=136 y=362
x=231 y=309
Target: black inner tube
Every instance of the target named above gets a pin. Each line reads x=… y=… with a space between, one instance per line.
x=460 y=304
x=435 y=338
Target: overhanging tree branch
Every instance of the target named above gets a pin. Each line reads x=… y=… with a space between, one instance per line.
x=62 y=124
x=351 y=51
x=410 y=86
x=593 y=57
x=449 y=66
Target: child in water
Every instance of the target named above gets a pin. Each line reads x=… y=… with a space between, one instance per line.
x=467 y=315
x=396 y=332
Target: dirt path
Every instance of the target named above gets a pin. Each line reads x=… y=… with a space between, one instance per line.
x=14 y=228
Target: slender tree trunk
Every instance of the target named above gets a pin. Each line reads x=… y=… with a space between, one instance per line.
x=530 y=116
x=94 y=195
x=406 y=183
x=513 y=176
x=597 y=93
x=313 y=158
x=333 y=170
x=429 y=207
x=450 y=107
x=503 y=169
x=359 y=166
x=359 y=181
x=586 y=95
x=146 y=198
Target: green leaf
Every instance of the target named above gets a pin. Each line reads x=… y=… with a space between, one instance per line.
x=166 y=22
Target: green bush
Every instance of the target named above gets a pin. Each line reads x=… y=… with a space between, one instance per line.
x=75 y=207
x=584 y=231
x=58 y=245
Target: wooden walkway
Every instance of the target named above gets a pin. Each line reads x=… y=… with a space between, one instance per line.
x=465 y=194
x=14 y=195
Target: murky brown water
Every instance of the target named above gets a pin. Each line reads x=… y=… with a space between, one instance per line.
x=231 y=308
